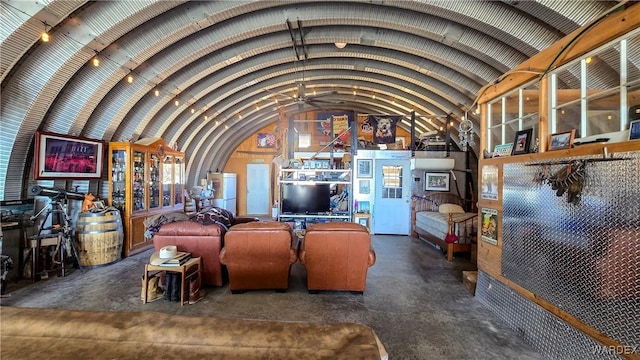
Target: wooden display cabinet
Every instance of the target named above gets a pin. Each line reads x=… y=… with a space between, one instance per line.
x=146 y=178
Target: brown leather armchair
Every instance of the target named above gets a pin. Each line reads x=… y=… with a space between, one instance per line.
x=200 y=240
x=337 y=256
x=258 y=256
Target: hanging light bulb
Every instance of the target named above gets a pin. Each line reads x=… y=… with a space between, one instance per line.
x=206 y=117
x=129 y=79
x=96 y=61
x=156 y=92
x=192 y=110
x=177 y=102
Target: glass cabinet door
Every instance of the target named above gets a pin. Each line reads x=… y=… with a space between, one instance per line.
x=154 y=181
x=178 y=178
x=118 y=179
x=167 y=180
x=138 y=181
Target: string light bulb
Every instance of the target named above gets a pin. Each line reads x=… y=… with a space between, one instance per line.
x=130 y=79
x=177 y=102
x=156 y=92
x=192 y=110
x=96 y=61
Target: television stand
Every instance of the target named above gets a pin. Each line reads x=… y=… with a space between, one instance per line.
x=340 y=178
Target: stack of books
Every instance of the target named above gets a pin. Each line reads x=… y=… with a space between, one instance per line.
x=179 y=259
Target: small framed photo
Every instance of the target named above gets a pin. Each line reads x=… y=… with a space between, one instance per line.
x=436 y=181
x=99 y=205
x=634 y=130
x=364 y=186
x=561 y=140
x=522 y=142
x=364 y=221
x=365 y=168
x=502 y=150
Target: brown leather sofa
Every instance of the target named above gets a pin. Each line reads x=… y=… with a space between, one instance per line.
x=337 y=256
x=200 y=240
x=258 y=255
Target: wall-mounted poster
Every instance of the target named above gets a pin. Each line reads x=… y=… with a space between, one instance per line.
x=266 y=140
x=490 y=226
x=490 y=182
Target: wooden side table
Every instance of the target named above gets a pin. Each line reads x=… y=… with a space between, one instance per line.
x=182 y=269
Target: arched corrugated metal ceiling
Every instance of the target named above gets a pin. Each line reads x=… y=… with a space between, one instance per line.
x=226 y=59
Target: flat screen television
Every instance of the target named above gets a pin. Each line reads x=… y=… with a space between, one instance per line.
x=306 y=199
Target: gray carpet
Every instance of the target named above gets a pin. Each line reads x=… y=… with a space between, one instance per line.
x=415 y=302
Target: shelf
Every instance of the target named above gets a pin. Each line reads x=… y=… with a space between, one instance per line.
x=284 y=216
x=144 y=181
x=313 y=182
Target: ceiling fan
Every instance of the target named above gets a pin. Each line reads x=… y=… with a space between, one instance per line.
x=301 y=98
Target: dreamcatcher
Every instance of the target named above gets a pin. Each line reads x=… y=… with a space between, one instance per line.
x=465 y=130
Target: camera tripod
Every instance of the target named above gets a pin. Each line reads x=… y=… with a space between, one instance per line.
x=62 y=229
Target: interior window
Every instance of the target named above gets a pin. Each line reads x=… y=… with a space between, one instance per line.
x=391 y=182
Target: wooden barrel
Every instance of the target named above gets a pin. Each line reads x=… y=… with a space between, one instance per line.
x=99 y=237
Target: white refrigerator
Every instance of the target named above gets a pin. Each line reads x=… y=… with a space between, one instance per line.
x=224 y=186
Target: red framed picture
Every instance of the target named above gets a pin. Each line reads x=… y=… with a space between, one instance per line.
x=59 y=156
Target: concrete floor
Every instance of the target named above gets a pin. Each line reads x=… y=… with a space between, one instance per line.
x=414 y=300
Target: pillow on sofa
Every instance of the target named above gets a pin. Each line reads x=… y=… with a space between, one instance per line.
x=450 y=208
x=215 y=215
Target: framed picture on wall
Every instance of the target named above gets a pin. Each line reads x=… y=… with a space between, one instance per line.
x=266 y=140
x=522 y=142
x=634 y=130
x=59 y=156
x=365 y=168
x=436 y=181
x=561 y=140
x=364 y=186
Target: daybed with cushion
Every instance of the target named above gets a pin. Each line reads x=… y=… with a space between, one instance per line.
x=440 y=219
x=202 y=236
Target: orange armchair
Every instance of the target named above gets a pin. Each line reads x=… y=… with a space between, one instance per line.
x=337 y=256
x=258 y=255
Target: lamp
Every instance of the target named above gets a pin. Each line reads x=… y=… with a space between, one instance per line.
x=45 y=35
x=340 y=45
x=346 y=160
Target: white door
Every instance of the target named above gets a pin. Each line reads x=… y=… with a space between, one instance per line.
x=258 y=189
x=392 y=207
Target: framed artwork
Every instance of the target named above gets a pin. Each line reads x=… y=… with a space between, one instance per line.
x=490 y=226
x=502 y=150
x=634 y=130
x=364 y=186
x=59 y=156
x=365 y=168
x=561 y=140
x=363 y=220
x=266 y=140
x=437 y=181
x=522 y=142
x=489 y=182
